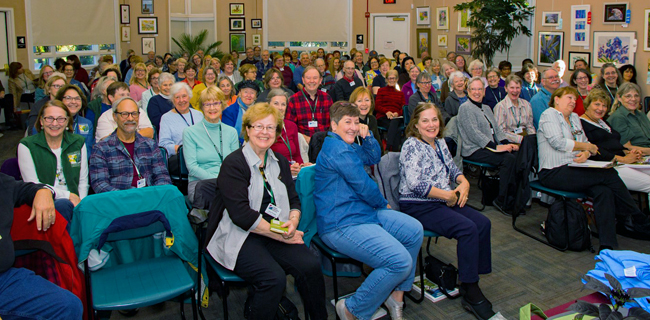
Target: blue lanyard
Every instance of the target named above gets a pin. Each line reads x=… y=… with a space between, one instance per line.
x=191 y=117
x=438 y=152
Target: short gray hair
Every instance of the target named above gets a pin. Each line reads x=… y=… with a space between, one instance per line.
x=166 y=76
x=178 y=86
x=275 y=93
x=422 y=77
x=101 y=86
x=477 y=63
x=474 y=79
x=117 y=102
x=304 y=53
x=454 y=75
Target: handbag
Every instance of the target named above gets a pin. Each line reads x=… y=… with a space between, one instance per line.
x=442 y=274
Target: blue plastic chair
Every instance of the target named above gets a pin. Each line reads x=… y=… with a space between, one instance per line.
x=181 y=180
x=227 y=278
x=483 y=168
x=141 y=283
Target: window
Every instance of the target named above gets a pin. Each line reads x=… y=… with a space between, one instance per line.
x=89 y=54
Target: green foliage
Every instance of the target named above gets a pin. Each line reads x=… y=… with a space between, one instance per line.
x=616 y=293
x=494 y=23
x=192 y=44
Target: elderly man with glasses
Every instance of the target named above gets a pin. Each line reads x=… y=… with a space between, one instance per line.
x=539 y=102
x=126 y=159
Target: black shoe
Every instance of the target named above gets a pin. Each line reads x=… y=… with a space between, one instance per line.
x=634 y=230
x=481 y=310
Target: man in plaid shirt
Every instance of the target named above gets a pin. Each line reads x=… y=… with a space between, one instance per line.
x=125 y=159
x=309 y=108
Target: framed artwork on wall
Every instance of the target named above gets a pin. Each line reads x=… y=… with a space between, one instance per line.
x=423 y=41
x=615 y=47
x=147 y=25
x=614 y=12
x=125 y=14
x=423 y=16
x=646 y=33
x=442 y=40
x=238 y=42
x=237 y=24
x=463 y=18
x=147 y=6
x=463 y=44
x=442 y=18
x=257 y=39
x=573 y=56
x=125 y=33
x=256 y=23
x=236 y=9
x=580 y=26
x=551 y=19
x=148 y=44
x=550 y=47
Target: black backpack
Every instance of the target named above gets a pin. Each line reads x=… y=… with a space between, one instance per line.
x=572 y=231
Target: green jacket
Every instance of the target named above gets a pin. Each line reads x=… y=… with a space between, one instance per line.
x=96 y=107
x=46 y=165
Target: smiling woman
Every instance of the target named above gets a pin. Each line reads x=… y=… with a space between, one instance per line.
x=62 y=157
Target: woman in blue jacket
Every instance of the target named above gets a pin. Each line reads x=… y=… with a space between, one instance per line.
x=355 y=219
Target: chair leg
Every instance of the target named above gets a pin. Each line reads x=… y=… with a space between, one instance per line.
x=335 y=282
x=514 y=226
x=224 y=299
x=194 y=307
x=421 y=266
x=182 y=309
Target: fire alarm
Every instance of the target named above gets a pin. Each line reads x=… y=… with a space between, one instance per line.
x=367 y=14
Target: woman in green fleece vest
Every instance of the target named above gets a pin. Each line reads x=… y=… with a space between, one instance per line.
x=56 y=157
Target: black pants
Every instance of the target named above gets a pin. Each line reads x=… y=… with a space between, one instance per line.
x=7 y=104
x=502 y=160
x=394 y=135
x=173 y=167
x=264 y=263
x=610 y=195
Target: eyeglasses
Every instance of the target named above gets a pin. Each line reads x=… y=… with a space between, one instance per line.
x=56 y=86
x=259 y=128
x=631 y=96
x=59 y=120
x=125 y=115
x=582 y=78
x=475 y=89
x=48 y=73
x=69 y=98
x=392 y=78
x=212 y=105
x=425 y=83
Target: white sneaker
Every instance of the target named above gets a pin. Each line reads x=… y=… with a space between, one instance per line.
x=394 y=308
x=340 y=309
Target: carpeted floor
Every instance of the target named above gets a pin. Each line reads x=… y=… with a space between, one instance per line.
x=524 y=270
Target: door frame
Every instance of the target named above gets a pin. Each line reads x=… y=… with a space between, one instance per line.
x=11 y=34
x=371 y=41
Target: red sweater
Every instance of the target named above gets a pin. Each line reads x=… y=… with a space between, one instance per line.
x=388 y=99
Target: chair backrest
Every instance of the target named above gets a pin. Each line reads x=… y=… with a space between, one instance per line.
x=407 y=115
x=181 y=163
x=646 y=104
x=305 y=186
x=387 y=175
x=11 y=168
x=163 y=151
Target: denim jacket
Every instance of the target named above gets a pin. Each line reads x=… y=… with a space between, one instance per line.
x=345 y=195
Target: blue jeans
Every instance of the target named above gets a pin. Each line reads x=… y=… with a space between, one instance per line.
x=390 y=248
x=24 y=295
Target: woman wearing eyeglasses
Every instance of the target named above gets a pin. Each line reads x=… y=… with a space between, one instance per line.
x=561 y=140
x=627 y=119
x=258 y=187
x=207 y=143
x=73 y=98
x=52 y=86
x=62 y=157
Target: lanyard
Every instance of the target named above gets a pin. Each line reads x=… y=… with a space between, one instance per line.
x=286 y=143
x=610 y=92
x=494 y=133
x=267 y=185
x=574 y=132
x=313 y=108
x=131 y=159
x=220 y=141
x=191 y=117
x=515 y=115
x=438 y=152
x=494 y=95
x=428 y=99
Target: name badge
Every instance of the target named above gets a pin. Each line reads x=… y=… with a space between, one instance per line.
x=83 y=128
x=74 y=158
x=351 y=83
x=519 y=130
x=313 y=124
x=323 y=89
x=142 y=183
x=273 y=211
x=491 y=131
x=281 y=69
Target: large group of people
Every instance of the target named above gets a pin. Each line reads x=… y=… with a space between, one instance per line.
x=247 y=126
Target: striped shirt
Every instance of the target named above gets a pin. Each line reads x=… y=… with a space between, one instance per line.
x=510 y=117
x=556 y=138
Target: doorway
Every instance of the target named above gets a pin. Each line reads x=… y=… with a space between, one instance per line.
x=390 y=32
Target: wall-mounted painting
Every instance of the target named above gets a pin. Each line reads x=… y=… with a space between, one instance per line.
x=424 y=41
x=551 y=46
x=615 y=47
x=238 y=42
x=423 y=16
x=463 y=44
x=580 y=25
x=646 y=33
x=442 y=18
x=463 y=18
x=551 y=19
x=236 y=9
x=147 y=25
x=442 y=40
x=614 y=12
x=574 y=56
